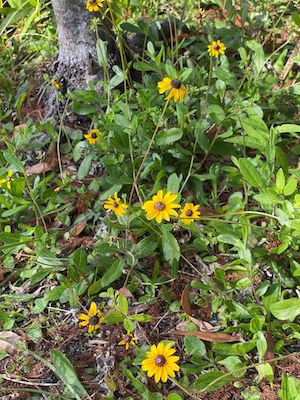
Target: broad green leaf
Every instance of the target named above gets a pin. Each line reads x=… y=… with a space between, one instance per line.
x=250 y=173
x=66 y=372
x=211 y=381
x=85 y=167
x=286 y=309
x=290 y=187
x=168 y=136
x=194 y=346
x=146 y=246
x=113 y=273
x=170 y=246
x=123 y=304
x=267 y=198
x=261 y=345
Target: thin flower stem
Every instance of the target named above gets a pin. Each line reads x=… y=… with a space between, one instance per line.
x=185 y=390
x=134 y=186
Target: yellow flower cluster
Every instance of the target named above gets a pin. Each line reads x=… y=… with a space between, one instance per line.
x=161 y=207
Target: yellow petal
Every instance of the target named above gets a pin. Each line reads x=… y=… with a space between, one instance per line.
x=84 y=323
x=90 y=328
x=93 y=309
x=157 y=375
x=84 y=317
x=164 y=374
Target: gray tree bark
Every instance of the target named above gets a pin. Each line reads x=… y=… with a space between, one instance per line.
x=76 y=63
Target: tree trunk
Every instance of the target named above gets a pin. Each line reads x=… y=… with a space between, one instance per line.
x=77 y=64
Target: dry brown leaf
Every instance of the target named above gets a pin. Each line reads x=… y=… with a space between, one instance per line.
x=204 y=326
x=11 y=337
x=78 y=228
x=126 y=292
x=185 y=300
x=39 y=168
x=214 y=337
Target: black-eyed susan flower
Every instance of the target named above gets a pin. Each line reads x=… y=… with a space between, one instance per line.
x=7 y=180
x=161 y=362
x=94 y=5
x=93 y=136
x=56 y=84
x=115 y=204
x=216 y=48
x=199 y=15
x=92 y=319
x=177 y=89
x=127 y=340
x=161 y=206
x=189 y=213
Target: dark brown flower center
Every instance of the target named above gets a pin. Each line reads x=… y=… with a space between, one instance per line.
x=93 y=2
x=127 y=339
x=159 y=206
x=198 y=16
x=116 y=205
x=94 y=135
x=176 y=84
x=189 y=213
x=8 y=178
x=94 y=320
x=160 y=361
x=217 y=47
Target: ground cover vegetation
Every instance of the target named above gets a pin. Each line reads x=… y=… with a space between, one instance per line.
x=150 y=223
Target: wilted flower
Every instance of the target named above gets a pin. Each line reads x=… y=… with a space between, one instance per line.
x=92 y=319
x=116 y=205
x=128 y=340
x=7 y=180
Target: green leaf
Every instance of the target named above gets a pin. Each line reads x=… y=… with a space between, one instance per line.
x=85 y=167
x=286 y=309
x=290 y=388
x=146 y=246
x=170 y=246
x=114 y=317
x=66 y=372
x=168 y=136
x=194 y=346
x=290 y=187
x=141 y=317
x=113 y=273
x=250 y=173
x=280 y=181
x=174 y=183
x=80 y=259
x=174 y=396
x=267 y=198
x=261 y=345
x=216 y=113
x=123 y=304
x=233 y=363
x=211 y=381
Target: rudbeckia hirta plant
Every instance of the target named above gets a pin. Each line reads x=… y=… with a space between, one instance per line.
x=161 y=362
x=56 y=84
x=128 y=340
x=94 y=5
x=93 y=136
x=199 y=14
x=7 y=180
x=177 y=89
x=115 y=204
x=216 y=48
x=161 y=206
x=92 y=319
x=189 y=213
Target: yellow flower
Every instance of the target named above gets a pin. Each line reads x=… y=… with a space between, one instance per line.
x=199 y=14
x=189 y=213
x=116 y=205
x=216 y=48
x=92 y=319
x=161 y=206
x=7 y=181
x=56 y=84
x=93 y=136
x=128 y=340
x=177 y=89
x=161 y=362
x=94 y=5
